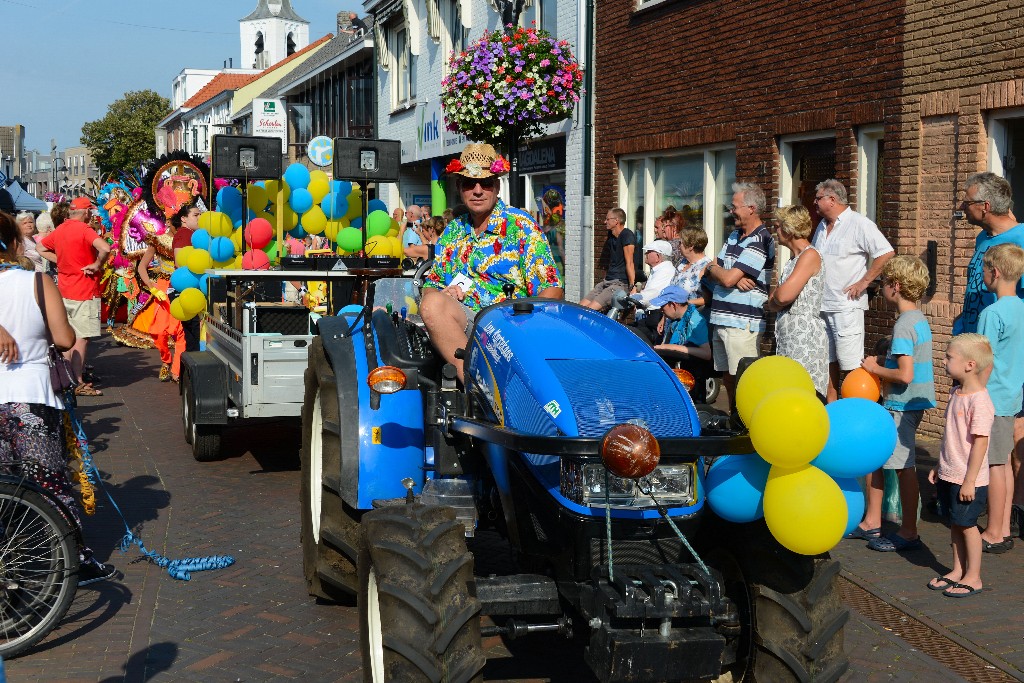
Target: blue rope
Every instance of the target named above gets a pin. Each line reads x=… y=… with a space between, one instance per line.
x=178 y=569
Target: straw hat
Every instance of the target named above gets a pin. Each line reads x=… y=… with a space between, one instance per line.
x=478 y=160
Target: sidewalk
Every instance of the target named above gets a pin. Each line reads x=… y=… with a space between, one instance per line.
x=990 y=624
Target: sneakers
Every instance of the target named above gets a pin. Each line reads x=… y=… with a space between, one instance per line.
x=165 y=373
x=93 y=571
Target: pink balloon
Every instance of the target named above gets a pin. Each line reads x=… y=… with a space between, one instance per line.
x=255 y=260
x=258 y=233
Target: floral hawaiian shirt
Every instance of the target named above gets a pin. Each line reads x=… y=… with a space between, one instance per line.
x=510 y=249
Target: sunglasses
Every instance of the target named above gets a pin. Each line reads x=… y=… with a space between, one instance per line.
x=485 y=183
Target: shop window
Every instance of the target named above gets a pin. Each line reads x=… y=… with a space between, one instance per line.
x=455 y=28
x=1006 y=151
x=685 y=180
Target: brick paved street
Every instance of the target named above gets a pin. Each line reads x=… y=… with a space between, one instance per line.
x=254 y=621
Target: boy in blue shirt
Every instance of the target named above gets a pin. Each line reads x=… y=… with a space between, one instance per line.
x=908 y=386
x=1003 y=323
x=686 y=338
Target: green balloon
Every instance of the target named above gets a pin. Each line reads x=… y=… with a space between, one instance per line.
x=350 y=239
x=378 y=223
x=271 y=250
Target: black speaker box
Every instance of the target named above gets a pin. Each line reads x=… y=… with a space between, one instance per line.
x=246 y=157
x=365 y=160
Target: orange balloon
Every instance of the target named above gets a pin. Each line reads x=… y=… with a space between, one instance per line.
x=861 y=384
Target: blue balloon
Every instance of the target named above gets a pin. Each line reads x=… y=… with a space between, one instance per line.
x=376 y=205
x=297 y=177
x=201 y=239
x=261 y=183
x=183 y=278
x=342 y=188
x=298 y=232
x=229 y=198
x=357 y=222
x=861 y=437
x=222 y=249
x=854 y=502
x=334 y=205
x=735 y=486
x=204 y=282
x=237 y=221
x=301 y=200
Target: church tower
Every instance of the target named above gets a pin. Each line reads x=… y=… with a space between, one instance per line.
x=270 y=33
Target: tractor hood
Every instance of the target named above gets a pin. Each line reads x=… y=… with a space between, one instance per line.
x=554 y=368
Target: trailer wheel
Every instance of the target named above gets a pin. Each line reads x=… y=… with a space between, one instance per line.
x=791 y=614
x=419 y=620
x=713 y=388
x=330 y=529
x=205 y=439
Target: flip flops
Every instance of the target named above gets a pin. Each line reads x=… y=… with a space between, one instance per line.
x=864 y=534
x=943 y=584
x=894 y=543
x=970 y=591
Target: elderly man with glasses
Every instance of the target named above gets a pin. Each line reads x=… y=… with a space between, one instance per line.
x=853 y=253
x=480 y=252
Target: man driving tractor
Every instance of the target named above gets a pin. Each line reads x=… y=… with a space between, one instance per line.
x=481 y=251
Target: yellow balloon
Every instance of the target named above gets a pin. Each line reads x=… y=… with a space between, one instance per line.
x=331 y=229
x=291 y=219
x=204 y=220
x=314 y=221
x=355 y=205
x=178 y=313
x=256 y=197
x=789 y=427
x=224 y=265
x=396 y=245
x=378 y=246
x=198 y=262
x=805 y=509
x=181 y=258
x=765 y=376
x=221 y=224
x=192 y=301
x=394 y=225
x=319 y=185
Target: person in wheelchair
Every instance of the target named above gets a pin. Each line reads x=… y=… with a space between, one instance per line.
x=686 y=344
x=480 y=252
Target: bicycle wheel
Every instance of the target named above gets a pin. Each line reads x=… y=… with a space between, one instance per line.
x=38 y=568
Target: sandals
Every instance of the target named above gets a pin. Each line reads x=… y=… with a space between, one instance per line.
x=87 y=390
x=943 y=583
x=998 y=548
x=864 y=534
x=894 y=543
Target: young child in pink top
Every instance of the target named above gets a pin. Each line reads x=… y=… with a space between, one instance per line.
x=961 y=477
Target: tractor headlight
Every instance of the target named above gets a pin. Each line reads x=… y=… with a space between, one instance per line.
x=584 y=483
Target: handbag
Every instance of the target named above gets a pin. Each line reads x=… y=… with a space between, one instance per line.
x=62 y=375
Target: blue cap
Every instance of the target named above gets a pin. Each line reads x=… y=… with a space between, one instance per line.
x=673 y=294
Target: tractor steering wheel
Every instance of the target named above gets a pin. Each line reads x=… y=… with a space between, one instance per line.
x=420 y=275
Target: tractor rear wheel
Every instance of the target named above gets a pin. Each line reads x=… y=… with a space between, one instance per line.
x=418 y=618
x=791 y=614
x=330 y=529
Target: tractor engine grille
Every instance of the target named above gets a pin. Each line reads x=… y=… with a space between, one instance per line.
x=651 y=551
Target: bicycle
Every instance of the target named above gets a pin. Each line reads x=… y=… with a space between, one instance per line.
x=38 y=563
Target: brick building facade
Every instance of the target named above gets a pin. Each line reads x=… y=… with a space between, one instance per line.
x=900 y=101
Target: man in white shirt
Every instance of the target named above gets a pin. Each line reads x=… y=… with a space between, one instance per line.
x=853 y=253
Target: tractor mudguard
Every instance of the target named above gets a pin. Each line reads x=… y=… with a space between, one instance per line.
x=381 y=443
x=209 y=377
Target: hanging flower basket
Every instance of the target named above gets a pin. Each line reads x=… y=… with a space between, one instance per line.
x=510 y=81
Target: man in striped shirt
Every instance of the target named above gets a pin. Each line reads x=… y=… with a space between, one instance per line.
x=741 y=275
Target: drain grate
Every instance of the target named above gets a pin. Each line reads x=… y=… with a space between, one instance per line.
x=926 y=639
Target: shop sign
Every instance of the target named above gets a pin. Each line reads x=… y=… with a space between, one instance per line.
x=432 y=139
x=541 y=156
x=270 y=119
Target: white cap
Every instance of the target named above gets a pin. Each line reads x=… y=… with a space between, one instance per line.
x=660 y=246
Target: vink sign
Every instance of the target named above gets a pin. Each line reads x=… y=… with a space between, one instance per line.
x=432 y=139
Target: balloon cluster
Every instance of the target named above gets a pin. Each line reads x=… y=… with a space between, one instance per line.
x=313 y=204
x=804 y=482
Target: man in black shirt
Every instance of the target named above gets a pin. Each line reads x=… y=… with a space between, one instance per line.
x=621 y=272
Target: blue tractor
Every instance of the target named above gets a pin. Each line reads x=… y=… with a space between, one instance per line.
x=550 y=445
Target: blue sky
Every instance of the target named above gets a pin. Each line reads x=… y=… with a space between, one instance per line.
x=67 y=60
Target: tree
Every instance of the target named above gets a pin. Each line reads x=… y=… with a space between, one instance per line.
x=124 y=138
